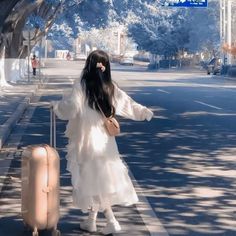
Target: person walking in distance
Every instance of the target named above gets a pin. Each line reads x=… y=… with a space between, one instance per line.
x=34 y=63
x=99 y=177
x=68 y=56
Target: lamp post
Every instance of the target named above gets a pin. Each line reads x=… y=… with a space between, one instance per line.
x=46 y=47
x=226 y=28
x=229 y=29
x=222 y=28
x=28 y=35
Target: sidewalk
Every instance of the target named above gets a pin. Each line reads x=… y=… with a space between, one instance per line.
x=13 y=101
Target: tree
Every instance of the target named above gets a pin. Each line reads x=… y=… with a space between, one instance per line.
x=39 y=15
x=204 y=28
x=19 y=15
x=170 y=31
x=78 y=16
x=162 y=31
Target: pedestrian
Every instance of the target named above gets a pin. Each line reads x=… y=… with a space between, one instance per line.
x=99 y=177
x=68 y=56
x=34 y=63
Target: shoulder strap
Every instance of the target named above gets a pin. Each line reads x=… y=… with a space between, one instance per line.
x=99 y=107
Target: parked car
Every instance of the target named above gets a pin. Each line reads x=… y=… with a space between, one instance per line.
x=127 y=60
x=214 y=66
x=80 y=57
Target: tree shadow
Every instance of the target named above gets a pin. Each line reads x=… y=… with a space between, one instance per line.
x=184 y=161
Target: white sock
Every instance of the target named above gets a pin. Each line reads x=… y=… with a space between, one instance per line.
x=92 y=215
x=109 y=215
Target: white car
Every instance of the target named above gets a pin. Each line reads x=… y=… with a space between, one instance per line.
x=80 y=57
x=127 y=60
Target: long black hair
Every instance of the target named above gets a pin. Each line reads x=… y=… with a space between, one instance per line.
x=97 y=83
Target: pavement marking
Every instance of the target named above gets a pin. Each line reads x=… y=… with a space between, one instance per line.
x=147 y=214
x=208 y=105
x=163 y=91
x=145 y=210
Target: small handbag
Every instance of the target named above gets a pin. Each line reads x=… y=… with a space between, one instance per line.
x=111 y=124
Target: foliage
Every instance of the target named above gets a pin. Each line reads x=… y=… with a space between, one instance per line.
x=170 y=31
x=24 y=15
x=35 y=21
x=161 y=31
x=157 y=29
x=204 y=27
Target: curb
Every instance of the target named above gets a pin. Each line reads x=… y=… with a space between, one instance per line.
x=6 y=128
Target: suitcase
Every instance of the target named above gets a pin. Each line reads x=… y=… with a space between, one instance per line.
x=40 y=168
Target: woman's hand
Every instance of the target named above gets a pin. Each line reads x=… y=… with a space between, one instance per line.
x=147 y=114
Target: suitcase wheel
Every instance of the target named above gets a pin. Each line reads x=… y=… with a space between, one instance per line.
x=56 y=232
x=35 y=233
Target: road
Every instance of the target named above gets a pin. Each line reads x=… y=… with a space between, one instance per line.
x=182 y=162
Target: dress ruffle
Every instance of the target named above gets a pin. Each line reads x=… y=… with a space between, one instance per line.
x=99 y=183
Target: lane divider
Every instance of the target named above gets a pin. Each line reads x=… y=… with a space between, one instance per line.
x=208 y=105
x=163 y=91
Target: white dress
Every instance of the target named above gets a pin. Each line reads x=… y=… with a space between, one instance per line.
x=99 y=177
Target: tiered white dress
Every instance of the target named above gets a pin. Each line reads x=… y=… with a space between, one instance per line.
x=99 y=177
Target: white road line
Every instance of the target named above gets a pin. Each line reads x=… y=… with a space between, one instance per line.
x=163 y=91
x=208 y=105
x=147 y=214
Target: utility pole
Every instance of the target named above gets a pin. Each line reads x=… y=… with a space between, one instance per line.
x=222 y=29
x=118 y=41
x=226 y=29
x=229 y=30
x=28 y=52
x=46 y=47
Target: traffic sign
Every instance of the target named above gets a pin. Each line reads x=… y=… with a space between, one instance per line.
x=184 y=3
x=26 y=42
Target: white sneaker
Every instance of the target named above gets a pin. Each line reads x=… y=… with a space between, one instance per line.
x=111 y=227
x=88 y=225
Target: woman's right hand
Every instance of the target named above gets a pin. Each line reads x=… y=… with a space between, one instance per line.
x=149 y=114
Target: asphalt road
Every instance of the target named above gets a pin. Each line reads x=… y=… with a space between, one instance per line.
x=182 y=162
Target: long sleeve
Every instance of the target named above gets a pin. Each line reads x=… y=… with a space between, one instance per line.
x=125 y=106
x=70 y=105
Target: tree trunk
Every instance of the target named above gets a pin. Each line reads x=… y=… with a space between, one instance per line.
x=12 y=24
x=12 y=37
x=3 y=81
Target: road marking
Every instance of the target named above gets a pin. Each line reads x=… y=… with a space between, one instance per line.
x=145 y=210
x=208 y=105
x=163 y=91
x=147 y=214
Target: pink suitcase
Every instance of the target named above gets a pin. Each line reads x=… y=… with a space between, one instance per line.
x=40 y=185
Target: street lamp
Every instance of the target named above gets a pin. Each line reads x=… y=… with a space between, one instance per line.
x=226 y=27
x=28 y=35
x=229 y=29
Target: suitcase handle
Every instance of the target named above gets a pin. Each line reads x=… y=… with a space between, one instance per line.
x=52 y=128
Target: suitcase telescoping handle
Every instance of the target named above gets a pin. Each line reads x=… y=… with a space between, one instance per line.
x=52 y=128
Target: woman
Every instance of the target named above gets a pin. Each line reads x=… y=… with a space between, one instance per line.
x=99 y=177
x=34 y=63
